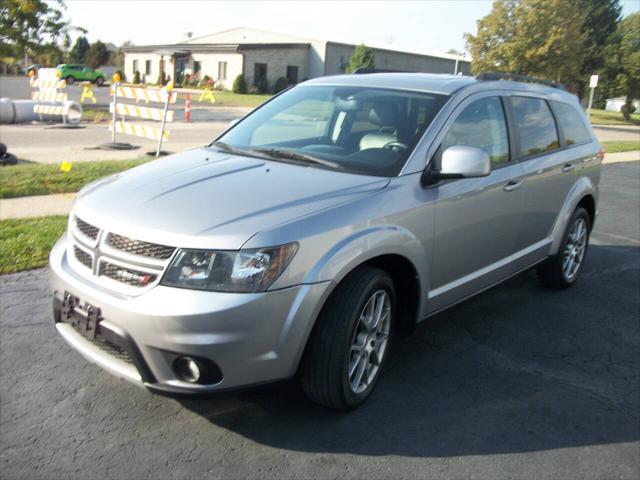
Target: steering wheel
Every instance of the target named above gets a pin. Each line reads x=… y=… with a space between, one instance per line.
x=395 y=146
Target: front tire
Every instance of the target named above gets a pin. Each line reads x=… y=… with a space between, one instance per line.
x=563 y=269
x=99 y=81
x=70 y=80
x=350 y=341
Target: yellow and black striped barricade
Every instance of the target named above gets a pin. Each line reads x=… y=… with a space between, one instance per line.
x=49 y=100
x=161 y=113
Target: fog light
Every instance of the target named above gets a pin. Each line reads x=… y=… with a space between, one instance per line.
x=187 y=369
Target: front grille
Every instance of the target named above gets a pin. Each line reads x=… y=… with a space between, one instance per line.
x=128 y=276
x=138 y=247
x=112 y=349
x=82 y=256
x=87 y=229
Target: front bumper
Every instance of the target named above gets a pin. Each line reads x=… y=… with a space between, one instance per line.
x=252 y=338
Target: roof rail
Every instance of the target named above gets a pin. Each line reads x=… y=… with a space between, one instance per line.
x=364 y=70
x=486 y=76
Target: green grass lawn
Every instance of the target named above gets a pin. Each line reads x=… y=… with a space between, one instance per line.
x=604 y=117
x=38 y=179
x=230 y=99
x=614 y=146
x=25 y=243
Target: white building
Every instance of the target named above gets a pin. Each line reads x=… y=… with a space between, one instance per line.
x=615 y=104
x=265 y=56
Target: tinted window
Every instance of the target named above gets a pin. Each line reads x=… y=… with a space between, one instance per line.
x=535 y=124
x=572 y=123
x=481 y=124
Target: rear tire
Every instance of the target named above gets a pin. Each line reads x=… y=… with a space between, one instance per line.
x=563 y=269
x=347 y=348
x=70 y=80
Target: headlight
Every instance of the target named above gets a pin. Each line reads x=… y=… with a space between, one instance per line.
x=246 y=271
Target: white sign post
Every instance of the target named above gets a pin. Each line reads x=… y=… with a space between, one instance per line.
x=593 y=83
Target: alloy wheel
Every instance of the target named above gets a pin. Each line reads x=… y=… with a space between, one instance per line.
x=575 y=249
x=369 y=342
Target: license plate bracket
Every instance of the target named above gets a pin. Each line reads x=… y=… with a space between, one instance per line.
x=83 y=317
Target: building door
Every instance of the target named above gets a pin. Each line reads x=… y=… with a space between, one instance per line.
x=292 y=74
x=181 y=63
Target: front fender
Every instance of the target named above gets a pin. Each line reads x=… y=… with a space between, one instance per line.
x=583 y=187
x=364 y=245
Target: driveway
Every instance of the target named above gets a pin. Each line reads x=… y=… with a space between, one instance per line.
x=519 y=382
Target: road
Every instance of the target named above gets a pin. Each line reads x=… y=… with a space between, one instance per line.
x=519 y=382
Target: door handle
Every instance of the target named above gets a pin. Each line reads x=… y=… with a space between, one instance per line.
x=568 y=167
x=512 y=185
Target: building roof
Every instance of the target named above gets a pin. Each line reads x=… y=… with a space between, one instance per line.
x=243 y=37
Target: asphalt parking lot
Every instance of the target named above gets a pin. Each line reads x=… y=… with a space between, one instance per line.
x=519 y=382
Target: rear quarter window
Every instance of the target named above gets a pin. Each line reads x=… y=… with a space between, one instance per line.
x=535 y=124
x=572 y=123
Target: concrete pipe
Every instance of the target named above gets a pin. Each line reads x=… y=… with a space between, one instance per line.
x=21 y=111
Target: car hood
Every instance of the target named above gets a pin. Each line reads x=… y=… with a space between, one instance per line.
x=207 y=199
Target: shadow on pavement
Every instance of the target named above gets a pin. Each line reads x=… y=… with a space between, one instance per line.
x=516 y=369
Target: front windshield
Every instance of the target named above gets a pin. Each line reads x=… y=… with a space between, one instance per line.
x=370 y=131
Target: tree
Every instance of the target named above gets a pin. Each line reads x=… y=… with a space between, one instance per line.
x=26 y=26
x=362 y=57
x=78 y=52
x=542 y=38
x=627 y=59
x=97 y=55
x=117 y=56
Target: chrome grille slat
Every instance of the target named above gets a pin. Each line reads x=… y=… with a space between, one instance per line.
x=110 y=257
x=127 y=275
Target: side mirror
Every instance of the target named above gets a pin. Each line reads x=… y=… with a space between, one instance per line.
x=459 y=162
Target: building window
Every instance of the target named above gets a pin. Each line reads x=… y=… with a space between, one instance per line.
x=292 y=74
x=222 y=70
x=135 y=66
x=260 y=73
x=147 y=67
x=196 y=67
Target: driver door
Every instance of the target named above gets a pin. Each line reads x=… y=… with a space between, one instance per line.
x=476 y=219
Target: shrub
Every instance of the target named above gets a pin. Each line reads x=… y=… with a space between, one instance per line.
x=162 y=79
x=281 y=84
x=261 y=86
x=136 y=77
x=240 y=84
x=185 y=81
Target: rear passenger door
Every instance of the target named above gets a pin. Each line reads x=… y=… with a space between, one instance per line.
x=549 y=170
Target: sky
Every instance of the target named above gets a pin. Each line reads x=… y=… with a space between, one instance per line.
x=429 y=26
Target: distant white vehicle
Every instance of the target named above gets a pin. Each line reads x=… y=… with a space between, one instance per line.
x=615 y=104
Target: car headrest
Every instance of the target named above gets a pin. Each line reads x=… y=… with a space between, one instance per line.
x=384 y=113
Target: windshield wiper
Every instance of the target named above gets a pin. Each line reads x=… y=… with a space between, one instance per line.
x=240 y=151
x=297 y=156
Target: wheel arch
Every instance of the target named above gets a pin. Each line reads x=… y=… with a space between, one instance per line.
x=584 y=193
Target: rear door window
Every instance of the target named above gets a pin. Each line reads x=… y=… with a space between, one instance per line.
x=572 y=123
x=535 y=124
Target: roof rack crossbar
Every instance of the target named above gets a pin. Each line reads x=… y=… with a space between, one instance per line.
x=487 y=76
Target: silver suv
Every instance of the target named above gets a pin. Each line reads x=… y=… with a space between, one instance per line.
x=336 y=215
